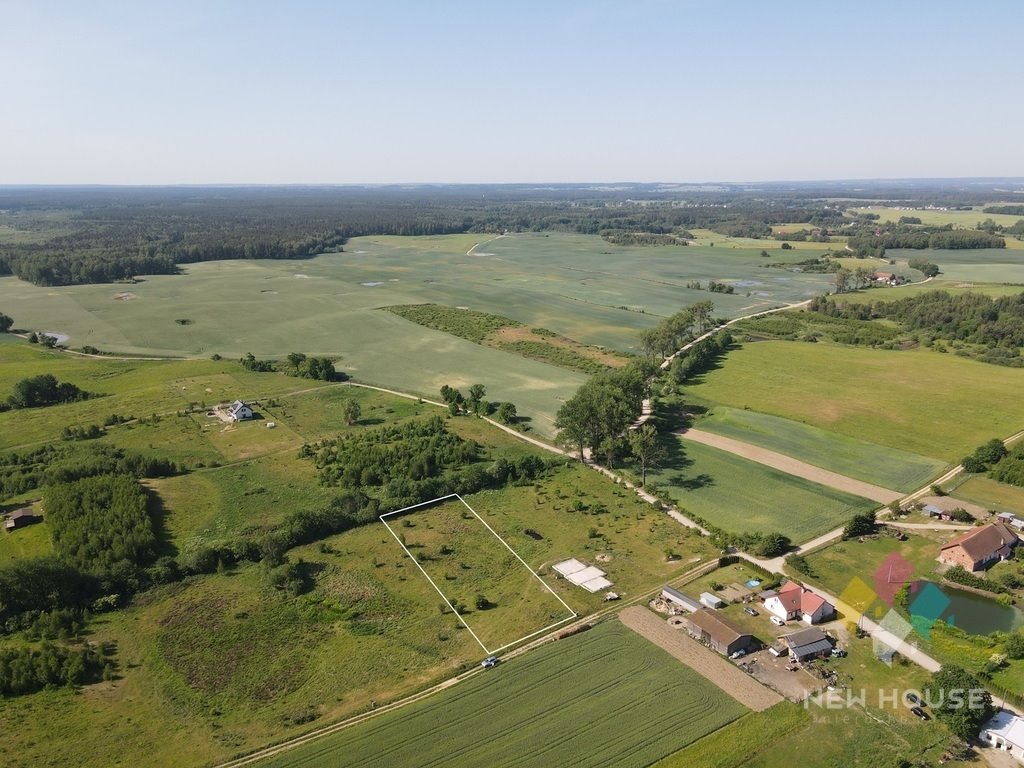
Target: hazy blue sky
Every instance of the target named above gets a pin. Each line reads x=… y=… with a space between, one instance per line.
x=640 y=90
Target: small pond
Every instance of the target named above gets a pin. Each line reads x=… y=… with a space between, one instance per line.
x=977 y=615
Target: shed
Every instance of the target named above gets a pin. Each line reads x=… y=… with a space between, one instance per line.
x=19 y=518
x=678 y=599
x=711 y=601
x=718 y=633
x=807 y=644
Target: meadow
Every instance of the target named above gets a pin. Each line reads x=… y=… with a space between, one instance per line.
x=888 y=467
x=606 y=697
x=741 y=496
x=500 y=600
x=918 y=401
x=991 y=494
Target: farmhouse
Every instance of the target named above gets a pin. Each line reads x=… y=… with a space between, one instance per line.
x=19 y=518
x=718 y=633
x=794 y=601
x=239 y=411
x=677 y=599
x=1005 y=731
x=807 y=644
x=980 y=547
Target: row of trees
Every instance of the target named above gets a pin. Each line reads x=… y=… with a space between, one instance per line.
x=297 y=364
x=674 y=331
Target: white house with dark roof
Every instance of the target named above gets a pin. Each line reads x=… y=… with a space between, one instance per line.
x=1005 y=731
x=239 y=411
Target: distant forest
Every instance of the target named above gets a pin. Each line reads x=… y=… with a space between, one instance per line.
x=73 y=235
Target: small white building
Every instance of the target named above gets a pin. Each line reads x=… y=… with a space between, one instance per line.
x=711 y=601
x=1005 y=731
x=239 y=411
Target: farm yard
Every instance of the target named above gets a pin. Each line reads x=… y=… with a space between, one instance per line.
x=739 y=495
x=605 y=697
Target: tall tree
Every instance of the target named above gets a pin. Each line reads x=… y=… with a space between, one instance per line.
x=352 y=411
x=643 y=444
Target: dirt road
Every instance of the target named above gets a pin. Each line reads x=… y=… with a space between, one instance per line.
x=792 y=466
x=705 y=662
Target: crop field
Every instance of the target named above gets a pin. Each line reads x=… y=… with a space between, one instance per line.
x=991 y=494
x=578 y=286
x=918 y=401
x=888 y=467
x=606 y=697
x=965 y=219
x=499 y=598
x=742 y=496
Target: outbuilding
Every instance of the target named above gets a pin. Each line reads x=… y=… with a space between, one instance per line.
x=1005 y=731
x=677 y=599
x=718 y=633
x=19 y=518
x=710 y=600
x=807 y=644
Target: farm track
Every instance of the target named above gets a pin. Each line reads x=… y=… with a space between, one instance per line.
x=791 y=466
x=705 y=662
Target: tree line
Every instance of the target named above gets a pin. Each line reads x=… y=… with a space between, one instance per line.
x=968 y=317
x=43 y=390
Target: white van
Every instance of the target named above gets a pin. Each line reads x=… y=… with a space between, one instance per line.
x=776 y=621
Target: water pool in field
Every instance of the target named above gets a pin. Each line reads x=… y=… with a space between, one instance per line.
x=977 y=615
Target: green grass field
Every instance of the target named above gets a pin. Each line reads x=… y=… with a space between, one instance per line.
x=887 y=467
x=466 y=561
x=991 y=494
x=743 y=496
x=607 y=697
x=904 y=291
x=917 y=401
x=837 y=565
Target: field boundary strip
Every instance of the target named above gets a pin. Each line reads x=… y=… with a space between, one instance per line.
x=572 y=614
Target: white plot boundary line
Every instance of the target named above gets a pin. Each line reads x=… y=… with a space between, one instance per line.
x=572 y=613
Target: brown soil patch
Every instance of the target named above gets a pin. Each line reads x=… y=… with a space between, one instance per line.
x=705 y=662
x=124 y=296
x=523 y=333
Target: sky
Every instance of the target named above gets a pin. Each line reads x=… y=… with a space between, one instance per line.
x=295 y=92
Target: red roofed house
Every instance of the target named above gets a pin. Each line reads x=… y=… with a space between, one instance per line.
x=793 y=601
x=979 y=547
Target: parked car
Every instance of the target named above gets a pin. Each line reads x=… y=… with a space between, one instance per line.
x=489 y=662
x=777 y=621
x=738 y=654
x=920 y=713
x=913 y=698
x=750 y=611
x=838 y=653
